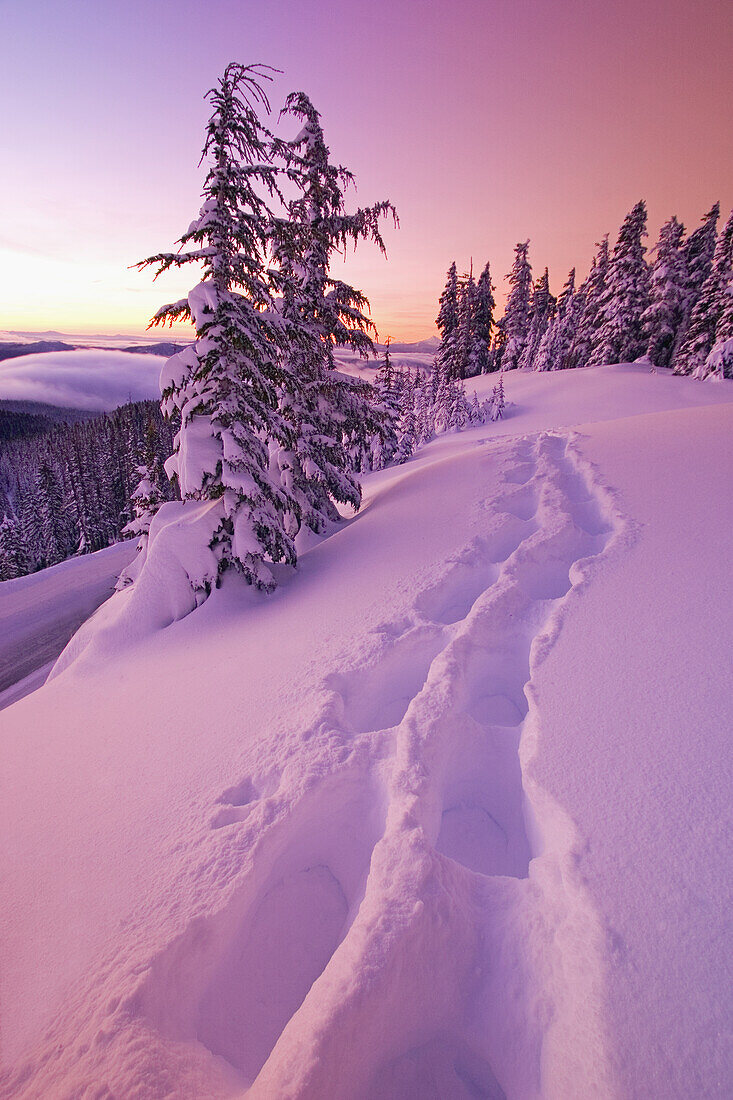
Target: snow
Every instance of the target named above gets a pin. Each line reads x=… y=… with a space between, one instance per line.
x=443 y=817
x=40 y=612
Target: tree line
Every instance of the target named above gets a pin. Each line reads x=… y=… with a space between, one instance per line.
x=674 y=308
x=68 y=491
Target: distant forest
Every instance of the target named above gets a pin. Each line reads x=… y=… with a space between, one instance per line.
x=66 y=488
x=676 y=310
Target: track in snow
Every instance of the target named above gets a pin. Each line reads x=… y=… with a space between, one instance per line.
x=392 y=932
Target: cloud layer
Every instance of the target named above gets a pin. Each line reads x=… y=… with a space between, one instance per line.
x=93 y=379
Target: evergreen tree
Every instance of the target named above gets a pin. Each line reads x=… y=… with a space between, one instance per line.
x=330 y=417
x=13 y=555
x=542 y=309
x=466 y=362
x=516 y=320
x=389 y=387
x=448 y=319
x=407 y=429
x=697 y=255
x=620 y=337
x=566 y=294
x=484 y=306
x=701 y=334
x=587 y=305
x=665 y=312
x=54 y=534
x=498 y=404
x=719 y=363
x=225 y=387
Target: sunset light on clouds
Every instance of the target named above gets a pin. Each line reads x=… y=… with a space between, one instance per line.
x=485 y=123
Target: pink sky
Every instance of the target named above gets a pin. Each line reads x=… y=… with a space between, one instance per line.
x=484 y=122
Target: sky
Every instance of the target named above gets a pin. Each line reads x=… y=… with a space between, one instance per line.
x=485 y=122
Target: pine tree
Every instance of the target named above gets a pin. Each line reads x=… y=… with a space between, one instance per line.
x=448 y=319
x=697 y=254
x=225 y=387
x=407 y=429
x=701 y=334
x=587 y=305
x=330 y=416
x=13 y=554
x=554 y=347
x=484 y=306
x=466 y=357
x=667 y=289
x=620 y=338
x=389 y=386
x=566 y=294
x=51 y=514
x=542 y=309
x=516 y=320
x=498 y=404
x=719 y=363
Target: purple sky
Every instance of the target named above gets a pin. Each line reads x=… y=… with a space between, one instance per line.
x=484 y=122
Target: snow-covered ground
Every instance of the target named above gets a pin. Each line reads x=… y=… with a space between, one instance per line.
x=40 y=612
x=446 y=816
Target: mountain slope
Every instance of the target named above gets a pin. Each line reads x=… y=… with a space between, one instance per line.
x=434 y=820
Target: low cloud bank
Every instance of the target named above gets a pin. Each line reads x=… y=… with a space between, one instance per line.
x=93 y=379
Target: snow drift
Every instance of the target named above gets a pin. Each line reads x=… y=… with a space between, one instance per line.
x=442 y=817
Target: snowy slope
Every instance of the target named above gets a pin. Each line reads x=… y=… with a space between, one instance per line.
x=444 y=817
x=40 y=612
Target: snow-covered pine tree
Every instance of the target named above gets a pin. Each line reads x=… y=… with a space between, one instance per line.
x=701 y=334
x=516 y=320
x=498 y=404
x=483 y=320
x=719 y=363
x=56 y=537
x=620 y=338
x=663 y=316
x=466 y=357
x=331 y=417
x=542 y=309
x=13 y=555
x=389 y=385
x=697 y=253
x=546 y=356
x=225 y=386
x=587 y=304
x=407 y=429
x=425 y=395
x=554 y=348
x=447 y=321
x=566 y=294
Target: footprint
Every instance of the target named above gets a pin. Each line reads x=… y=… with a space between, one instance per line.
x=588 y=517
x=237 y=801
x=239 y=795
x=377 y=697
x=522 y=503
x=543 y=579
x=520 y=475
x=502 y=543
x=234 y=979
x=440 y=1069
x=263 y=978
x=495 y=680
x=452 y=598
x=482 y=822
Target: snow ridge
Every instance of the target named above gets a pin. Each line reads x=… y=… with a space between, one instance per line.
x=406 y=916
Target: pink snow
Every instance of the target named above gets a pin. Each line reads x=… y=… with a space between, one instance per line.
x=444 y=817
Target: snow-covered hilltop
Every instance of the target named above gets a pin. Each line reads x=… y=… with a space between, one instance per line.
x=442 y=817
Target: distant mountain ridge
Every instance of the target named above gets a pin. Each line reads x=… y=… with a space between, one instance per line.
x=11 y=350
